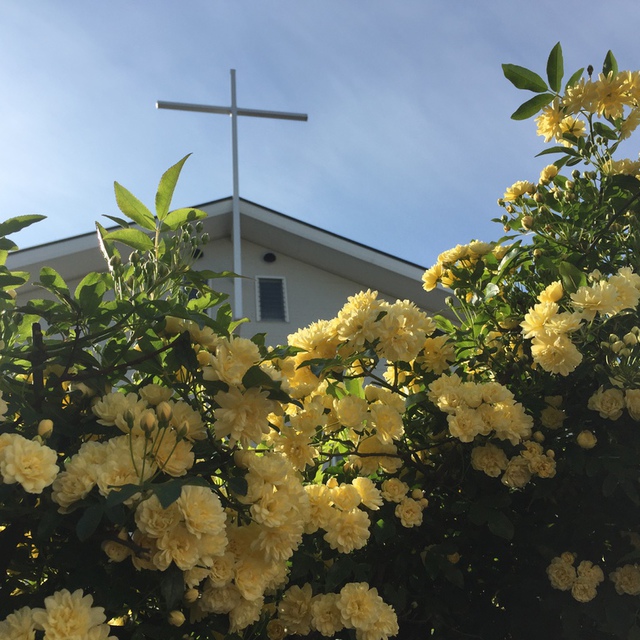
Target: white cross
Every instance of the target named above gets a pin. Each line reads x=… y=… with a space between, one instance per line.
x=234 y=112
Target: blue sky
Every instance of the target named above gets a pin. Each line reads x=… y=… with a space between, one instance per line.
x=408 y=144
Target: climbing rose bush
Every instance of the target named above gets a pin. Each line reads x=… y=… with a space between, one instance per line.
x=383 y=475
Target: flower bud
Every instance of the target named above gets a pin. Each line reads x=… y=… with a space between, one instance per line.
x=630 y=339
x=527 y=222
x=176 y=618
x=617 y=347
x=164 y=412
x=148 y=421
x=586 y=440
x=182 y=431
x=129 y=418
x=45 y=428
x=191 y=595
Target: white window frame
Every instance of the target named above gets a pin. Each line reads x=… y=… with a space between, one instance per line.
x=285 y=299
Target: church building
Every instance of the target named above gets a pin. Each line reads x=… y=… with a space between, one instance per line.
x=294 y=273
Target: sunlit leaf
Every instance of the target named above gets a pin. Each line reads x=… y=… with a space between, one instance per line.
x=12 y=225
x=106 y=246
x=52 y=280
x=178 y=217
x=166 y=188
x=133 y=208
x=121 y=222
x=133 y=238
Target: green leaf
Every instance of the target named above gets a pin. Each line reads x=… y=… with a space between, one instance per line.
x=603 y=130
x=133 y=208
x=256 y=377
x=558 y=149
x=532 y=106
x=574 y=78
x=52 y=280
x=634 y=633
x=12 y=225
x=172 y=587
x=384 y=530
x=168 y=492
x=13 y=279
x=523 y=78
x=500 y=525
x=238 y=485
x=90 y=291
x=119 y=495
x=478 y=513
x=89 y=522
x=454 y=576
x=555 y=68
x=338 y=573
x=179 y=216
x=121 y=222
x=106 y=247
x=7 y=245
x=167 y=187
x=354 y=387
x=610 y=64
x=491 y=291
x=572 y=277
x=133 y=238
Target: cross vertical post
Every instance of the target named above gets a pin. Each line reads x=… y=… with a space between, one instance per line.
x=236 y=239
x=234 y=111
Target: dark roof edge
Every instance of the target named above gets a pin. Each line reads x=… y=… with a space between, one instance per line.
x=320 y=229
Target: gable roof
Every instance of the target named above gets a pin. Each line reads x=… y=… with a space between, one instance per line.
x=372 y=268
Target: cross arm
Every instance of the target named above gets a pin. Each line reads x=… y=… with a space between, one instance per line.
x=256 y=113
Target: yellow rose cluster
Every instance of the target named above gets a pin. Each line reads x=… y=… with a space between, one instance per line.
x=549 y=328
x=460 y=257
x=610 y=403
x=517 y=471
x=582 y=580
x=408 y=507
x=160 y=436
x=611 y=96
x=356 y=606
x=65 y=615
x=480 y=409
